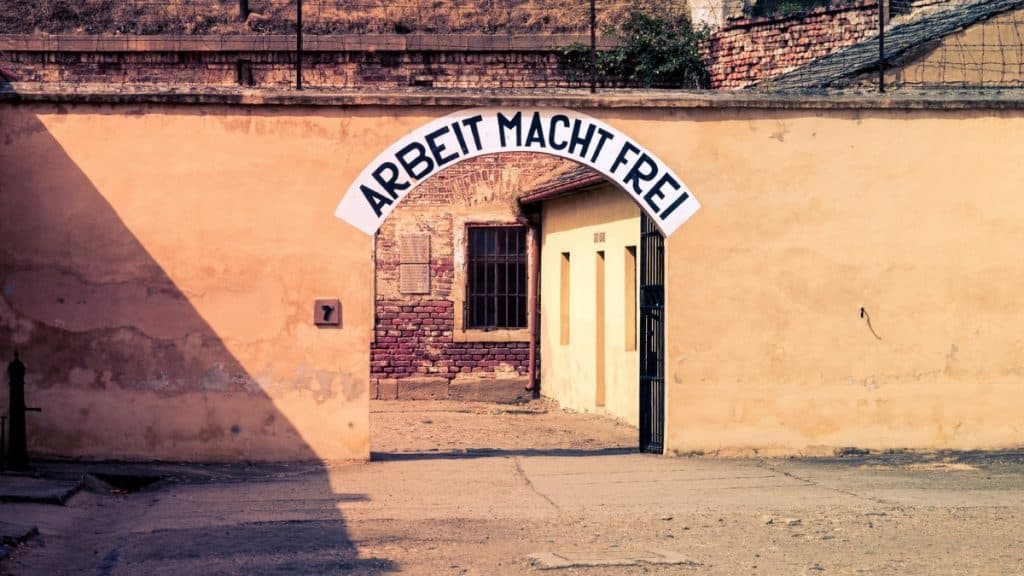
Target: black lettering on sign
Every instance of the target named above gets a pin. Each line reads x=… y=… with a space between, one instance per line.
x=390 y=184
x=638 y=173
x=556 y=120
x=416 y=158
x=419 y=160
x=620 y=160
x=375 y=199
x=472 y=123
x=515 y=122
x=457 y=130
x=672 y=207
x=656 y=192
x=437 y=149
x=582 y=141
x=604 y=135
x=536 y=132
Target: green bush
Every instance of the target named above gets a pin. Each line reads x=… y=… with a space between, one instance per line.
x=784 y=7
x=654 y=52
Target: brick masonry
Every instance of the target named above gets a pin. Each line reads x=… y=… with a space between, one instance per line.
x=743 y=52
x=747 y=51
x=343 y=62
x=419 y=348
x=345 y=70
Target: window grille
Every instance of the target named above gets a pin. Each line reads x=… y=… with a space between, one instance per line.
x=496 y=282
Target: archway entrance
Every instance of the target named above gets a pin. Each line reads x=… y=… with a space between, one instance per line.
x=461 y=312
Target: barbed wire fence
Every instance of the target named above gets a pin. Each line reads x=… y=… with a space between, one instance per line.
x=975 y=47
x=921 y=45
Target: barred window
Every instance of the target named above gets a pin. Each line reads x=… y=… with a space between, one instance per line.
x=496 y=281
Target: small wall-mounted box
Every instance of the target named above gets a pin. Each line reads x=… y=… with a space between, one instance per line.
x=327 y=312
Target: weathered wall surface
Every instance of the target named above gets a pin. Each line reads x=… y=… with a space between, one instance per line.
x=421 y=348
x=158 y=267
x=160 y=285
x=807 y=218
x=747 y=51
x=606 y=221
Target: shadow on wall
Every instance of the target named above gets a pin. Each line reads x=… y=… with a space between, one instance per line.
x=120 y=361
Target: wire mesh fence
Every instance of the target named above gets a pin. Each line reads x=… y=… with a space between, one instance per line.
x=916 y=44
x=975 y=45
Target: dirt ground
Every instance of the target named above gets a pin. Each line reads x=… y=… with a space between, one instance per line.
x=441 y=426
x=457 y=488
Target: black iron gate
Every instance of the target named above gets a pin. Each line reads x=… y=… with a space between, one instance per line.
x=652 y=337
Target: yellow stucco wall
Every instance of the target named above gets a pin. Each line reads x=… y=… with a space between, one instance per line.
x=915 y=216
x=159 y=268
x=159 y=264
x=568 y=372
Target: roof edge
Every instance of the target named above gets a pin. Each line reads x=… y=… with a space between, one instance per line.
x=561 y=189
x=988 y=99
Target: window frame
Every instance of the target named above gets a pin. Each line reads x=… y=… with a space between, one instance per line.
x=497 y=278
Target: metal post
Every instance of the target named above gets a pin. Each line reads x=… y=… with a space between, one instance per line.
x=593 y=46
x=19 y=449
x=243 y=9
x=298 y=46
x=3 y=443
x=881 y=45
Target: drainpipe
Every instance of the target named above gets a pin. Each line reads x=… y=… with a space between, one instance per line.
x=533 y=322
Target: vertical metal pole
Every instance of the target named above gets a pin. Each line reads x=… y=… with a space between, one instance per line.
x=881 y=45
x=18 y=452
x=3 y=443
x=243 y=9
x=593 y=46
x=298 y=46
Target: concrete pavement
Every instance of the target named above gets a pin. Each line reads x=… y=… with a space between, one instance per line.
x=600 y=510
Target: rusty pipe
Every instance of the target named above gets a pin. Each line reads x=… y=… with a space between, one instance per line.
x=533 y=322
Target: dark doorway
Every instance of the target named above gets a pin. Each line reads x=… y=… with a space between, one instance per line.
x=652 y=337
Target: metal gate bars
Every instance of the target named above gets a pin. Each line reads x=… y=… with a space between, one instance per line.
x=652 y=337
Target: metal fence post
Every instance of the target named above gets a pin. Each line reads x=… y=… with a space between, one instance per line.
x=298 y=46
x=3 y=443
x=881 y=45
x=593 y=46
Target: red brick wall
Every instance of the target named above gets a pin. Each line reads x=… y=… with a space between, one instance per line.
x=326 y=69
x=342 y=61
x=415 y=346
x=743 y=52
x=414 y=340
x=750 y=50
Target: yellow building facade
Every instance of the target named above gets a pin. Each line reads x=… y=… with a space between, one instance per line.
x=589 y=276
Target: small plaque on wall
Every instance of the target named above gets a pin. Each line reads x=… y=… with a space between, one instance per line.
x=415 y=264
x=327 y=312
x=415 y=249
x=415 y=279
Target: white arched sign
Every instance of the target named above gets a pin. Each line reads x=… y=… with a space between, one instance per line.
x=475 y=132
